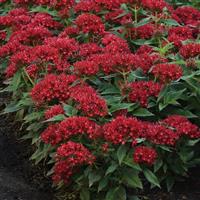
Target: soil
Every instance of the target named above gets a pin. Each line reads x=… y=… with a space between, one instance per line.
x=19 y=178
x=189 y=189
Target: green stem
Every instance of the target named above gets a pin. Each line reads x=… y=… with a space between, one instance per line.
x=29 y=78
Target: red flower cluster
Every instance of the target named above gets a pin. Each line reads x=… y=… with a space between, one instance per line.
x=90 y=23
x=159 y=134
x=88 y=101
x=78 y=126
x=144 y=155
x=166 y=132
x=154 y=5
x=69 y=157
x=187 y=15
x=182 y=126
x=122 y=129
x=167 y=72
x=51 y=136
x=190 y=50
x=53 y=111
x=72 y=126
x=52 y=87
x=86 y=67
x=179 y=34
x=140 y=91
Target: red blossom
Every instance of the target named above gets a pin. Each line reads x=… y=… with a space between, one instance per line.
x=140 y=91
x=88 y=101
x=159 y=134
x=90 y=23
x=52 y=87
x=145 y=155
x=190 y=50
x=53 y=111
x=167 y=72
x=182 y=126
x=70 y=156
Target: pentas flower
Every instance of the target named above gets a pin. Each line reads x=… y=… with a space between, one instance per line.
x=187 y=15
x=179 y=34
x=66 y=47
x=159 y=134
x=53 y=111
x=114 y=44
x=3 y=35
x=140 y=91
x=73 y=126
x=190 y=50
x=56 y=4
x=182 y=126
x=16 y=18
x=32 y=71
x=119 y=62
x=154 y=5
x=11 y=48
x=167 y=72
x=31 y=36
x=87 y=6
x=122 y=129
x=145 y=155
x=51 y=135
x=44 y=20
x=45 y=54
x=17 y=60
x=52 y=87
x=86 y=67
x=118 y=16
x=112 y=4
x=90 y=23
x=62 y=172
x=88 y=101
x=70 y=156
x=70 y=31
x=145 y=61
x=144 y=49
x=143 y=32
x=88 y=49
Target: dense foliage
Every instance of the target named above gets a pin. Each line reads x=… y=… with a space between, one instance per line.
x=108 y=90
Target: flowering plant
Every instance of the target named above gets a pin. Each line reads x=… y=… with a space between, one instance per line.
x=108 y=90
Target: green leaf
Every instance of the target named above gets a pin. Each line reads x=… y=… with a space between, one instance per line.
x=193 y=142
x=134 y=198
x=93 y=178
x=179 y=111
x=44 y=10
x=102 y=184
x=13 y=107
x=170 y=22
x=111 y=168
x=84 y=194
x=132 y=178
x=128 y=161
x=120 y=106
x=158 y=164
x=56 y=118
x=143 y=22
x=170 y=183
x=121 y=153
x=151 y=177
x=118 y=193
x=33 y=116
x=142 y=112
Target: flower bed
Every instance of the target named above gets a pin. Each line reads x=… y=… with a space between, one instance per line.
x=108 y=90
